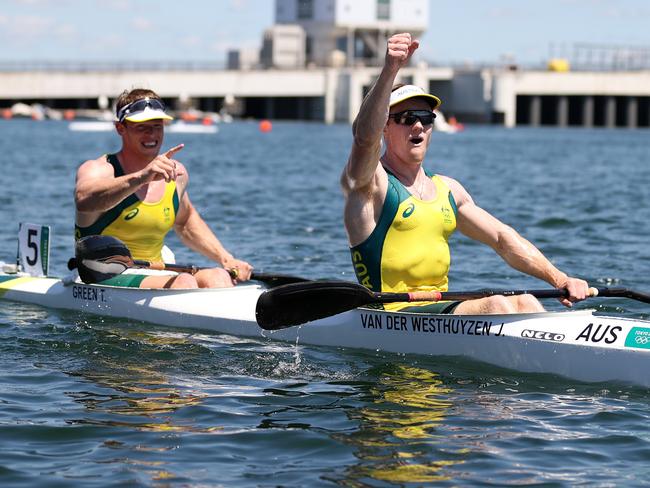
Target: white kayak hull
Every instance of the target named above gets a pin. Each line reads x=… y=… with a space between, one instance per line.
x=577 y=345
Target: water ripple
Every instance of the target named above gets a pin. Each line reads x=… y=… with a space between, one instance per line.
x=102 y=402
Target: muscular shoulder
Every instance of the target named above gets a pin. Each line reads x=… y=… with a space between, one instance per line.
x=95 y=168
x=363 y=186
x=461 y=195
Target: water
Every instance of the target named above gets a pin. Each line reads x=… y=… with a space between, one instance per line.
x=86 y=401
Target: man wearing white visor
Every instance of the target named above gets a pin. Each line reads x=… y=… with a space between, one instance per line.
x=399 y=217
x=138 y=195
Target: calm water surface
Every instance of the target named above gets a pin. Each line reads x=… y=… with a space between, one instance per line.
x=86 y=401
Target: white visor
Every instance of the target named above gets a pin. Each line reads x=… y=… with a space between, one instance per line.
x=148 y=114
x=143 y=110
x=411 y=91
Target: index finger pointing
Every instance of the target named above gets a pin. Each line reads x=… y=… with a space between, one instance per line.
x=174 y=150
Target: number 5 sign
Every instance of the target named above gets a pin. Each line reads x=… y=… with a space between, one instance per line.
x=34 y=249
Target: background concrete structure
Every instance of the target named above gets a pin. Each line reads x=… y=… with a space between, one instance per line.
x=354 y=29
x=321 y=57
x=588 y=99
x=283 y=47
x=511 y=98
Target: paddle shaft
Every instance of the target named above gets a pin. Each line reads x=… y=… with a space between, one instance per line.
x=298 y=303
x=179 y=268
x=100 y=257
x=271 y=279
x=438 y=296
x=190 y=268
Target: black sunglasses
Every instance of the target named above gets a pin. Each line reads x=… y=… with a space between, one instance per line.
x=139 y=106
x=409 y=117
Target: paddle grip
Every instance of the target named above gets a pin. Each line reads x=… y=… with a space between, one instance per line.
x=424 y=296
x=157 y=265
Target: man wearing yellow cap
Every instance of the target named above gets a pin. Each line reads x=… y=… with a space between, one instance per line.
x=138 y=195
x=399 y=217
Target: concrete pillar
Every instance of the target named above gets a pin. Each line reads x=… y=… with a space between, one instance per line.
x=504 y=98
x=420 y=77
x=339 y=101
x=610 y=112
x=357 y=81
x=535 y=111
x=331 y=85
x=562 y=107
x=632 y=121
x=588 y=112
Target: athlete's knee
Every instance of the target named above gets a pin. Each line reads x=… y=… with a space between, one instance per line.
x=527 y=303
x=214 y=278
x=184 y=280
x=497 y=304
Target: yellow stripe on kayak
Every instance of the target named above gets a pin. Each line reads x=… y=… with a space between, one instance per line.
x=8 y=284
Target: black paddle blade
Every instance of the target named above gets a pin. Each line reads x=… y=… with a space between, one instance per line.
x=624 y=293
x=273 y=280
x=99 y=258
x=297 y=303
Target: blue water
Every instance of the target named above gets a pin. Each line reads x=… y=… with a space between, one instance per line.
x=86 y=401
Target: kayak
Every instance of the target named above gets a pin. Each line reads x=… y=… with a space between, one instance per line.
x=579 y=345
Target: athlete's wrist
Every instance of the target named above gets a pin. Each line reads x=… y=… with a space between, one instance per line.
x=226 y=258
x=139 y=178
x=559 y=280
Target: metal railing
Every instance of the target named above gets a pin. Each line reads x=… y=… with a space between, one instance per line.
x=602 y=57
x=108 y=66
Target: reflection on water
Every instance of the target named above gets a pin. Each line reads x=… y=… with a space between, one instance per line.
x=196 y=411
x=132 y=388
x=398 y=428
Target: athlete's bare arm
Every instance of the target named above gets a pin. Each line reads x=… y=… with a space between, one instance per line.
x=363 y=180
x=197 y=235
x=97 y=189
x=478 y=224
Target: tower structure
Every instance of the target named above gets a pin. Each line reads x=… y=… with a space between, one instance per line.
x=351 y=32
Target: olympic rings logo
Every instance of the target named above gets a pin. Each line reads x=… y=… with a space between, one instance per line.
x=642 y=340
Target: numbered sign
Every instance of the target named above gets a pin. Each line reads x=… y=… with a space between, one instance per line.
x=34 y=249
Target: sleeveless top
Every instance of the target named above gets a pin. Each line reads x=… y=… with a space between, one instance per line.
x=142 y=226
x=408 y=250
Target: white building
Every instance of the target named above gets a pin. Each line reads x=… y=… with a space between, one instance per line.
x=283 y=46
x=351 y=32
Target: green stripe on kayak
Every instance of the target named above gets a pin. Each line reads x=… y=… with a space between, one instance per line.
x=9 y=282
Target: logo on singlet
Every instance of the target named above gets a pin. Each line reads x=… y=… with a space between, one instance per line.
x=446 y=213
x=408 y=210
x=131 y=214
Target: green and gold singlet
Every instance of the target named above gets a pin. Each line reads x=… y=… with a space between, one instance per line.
x=408 y=249
x=142 y=226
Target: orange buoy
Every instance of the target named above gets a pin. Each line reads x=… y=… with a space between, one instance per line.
x=6 y=113
x=265 y=125
x=68 y=114
x=206 y=120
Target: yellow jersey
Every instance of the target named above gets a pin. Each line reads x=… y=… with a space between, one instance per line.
x=142 y=226
x=408 y=250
